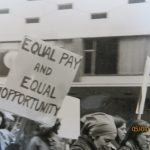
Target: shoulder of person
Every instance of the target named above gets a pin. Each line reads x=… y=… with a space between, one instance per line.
x=129 y=146
x=34 y=143
x=76 y=147
x=81 y=144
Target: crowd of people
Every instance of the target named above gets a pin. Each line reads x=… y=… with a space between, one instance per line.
x=99 y=131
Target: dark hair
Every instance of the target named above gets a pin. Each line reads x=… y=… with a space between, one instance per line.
x=55 y=128
x=46 y=131
x=119 y=121
x=3 y=123
x=132 y=134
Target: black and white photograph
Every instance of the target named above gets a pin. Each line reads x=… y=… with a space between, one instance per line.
x=74 y=75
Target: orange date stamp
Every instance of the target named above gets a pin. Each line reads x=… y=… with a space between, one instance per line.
x=140 y=129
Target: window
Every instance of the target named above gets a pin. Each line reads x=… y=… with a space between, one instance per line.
x=89 y=60
x=89 y=55
x=4 y=11
x=32 y=20
x=100 y=56
x=136 y=1
x=64 y=6
x=98 y=15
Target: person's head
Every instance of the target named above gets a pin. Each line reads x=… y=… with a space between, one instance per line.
x=139 y=133
x=2 y=121
x=47 y=131
x=9 y=120
x=101 y=128
x=121 y=128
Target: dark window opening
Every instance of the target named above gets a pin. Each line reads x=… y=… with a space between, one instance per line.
x=101 y=56
x=88 y=44
x=32 y=20
x=98 y=15
x=106 y=56
x=4 y=11
x=88 y=62
x=136 y=1
x=65 y=6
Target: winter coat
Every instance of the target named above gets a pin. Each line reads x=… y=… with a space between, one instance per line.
x=130 y=145
x=83 y=143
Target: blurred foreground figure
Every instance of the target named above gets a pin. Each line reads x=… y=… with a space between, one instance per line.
x=137 y=137
x=6 y=137
x=46 y=139
x=97 y=132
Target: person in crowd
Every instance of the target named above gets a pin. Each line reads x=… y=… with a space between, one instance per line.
x=121 y=131
x=46 y=139
x=137 y=137
x=9 y=120
x=6 y=137
x=97 y=132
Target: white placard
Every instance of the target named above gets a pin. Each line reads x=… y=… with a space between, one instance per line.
x=141 y=102
x=39 y=80
x=70 y=118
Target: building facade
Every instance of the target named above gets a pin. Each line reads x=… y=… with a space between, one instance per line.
x=112 y=35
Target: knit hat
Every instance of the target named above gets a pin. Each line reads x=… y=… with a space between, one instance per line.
x=98 y=124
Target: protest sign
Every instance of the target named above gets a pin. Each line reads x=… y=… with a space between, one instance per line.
x=141 y=101
x=39 y=80
x=69 y=115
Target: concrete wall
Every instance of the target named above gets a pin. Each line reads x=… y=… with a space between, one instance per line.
x=122 y=19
